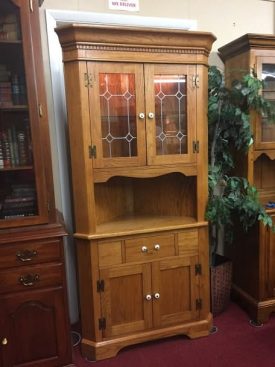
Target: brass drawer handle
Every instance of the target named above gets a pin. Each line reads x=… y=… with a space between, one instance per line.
x=28 y=280
x=26 y=255
x=4 y=341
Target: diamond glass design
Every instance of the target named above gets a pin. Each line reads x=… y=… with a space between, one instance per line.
x=171 y=114
x=118 y=114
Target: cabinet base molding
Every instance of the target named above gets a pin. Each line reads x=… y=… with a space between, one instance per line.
x=95 y=351
x=258 y=311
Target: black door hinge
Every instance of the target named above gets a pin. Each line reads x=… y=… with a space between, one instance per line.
x=198 y=304
x=92 y=151
x=100 y=285
x=198 y=269
x=102 y=323
x=196 y=146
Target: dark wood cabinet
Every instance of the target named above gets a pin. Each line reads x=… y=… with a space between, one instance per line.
x=26 y=195
x=29 y=328
x=34 y=320
x=33 y=300
x=254 y=252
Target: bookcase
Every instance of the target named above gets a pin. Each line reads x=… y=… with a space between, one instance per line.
x=137 y=115
x=34 y=320
x=253 y=252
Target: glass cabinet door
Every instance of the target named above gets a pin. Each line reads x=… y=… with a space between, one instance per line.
x=22 y=193
x=117 y=114
x=265 y=129
x=170 y=113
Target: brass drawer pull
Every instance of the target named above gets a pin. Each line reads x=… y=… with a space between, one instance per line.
x=26 y=255
x=4 y=341
x=29 y=279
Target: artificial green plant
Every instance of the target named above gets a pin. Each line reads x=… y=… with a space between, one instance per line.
x=230 y=197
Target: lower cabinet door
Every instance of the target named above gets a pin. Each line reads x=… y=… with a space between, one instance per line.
x=126 y=302
x=175 y=291
x=138 y=297
x=35 y=329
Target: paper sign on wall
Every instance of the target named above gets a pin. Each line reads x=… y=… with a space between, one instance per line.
x=129 y=5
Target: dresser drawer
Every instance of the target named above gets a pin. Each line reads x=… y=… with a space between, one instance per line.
x=149 y=248
x=27 y=253
x=30 y=277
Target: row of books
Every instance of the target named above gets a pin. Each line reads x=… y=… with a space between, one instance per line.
x=20 y=202
x=9 y=28
x=12 y=88
x=15 y=147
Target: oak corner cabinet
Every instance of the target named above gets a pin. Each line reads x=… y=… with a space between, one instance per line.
x=254 y=254
x=34 y=319
x=137 y=109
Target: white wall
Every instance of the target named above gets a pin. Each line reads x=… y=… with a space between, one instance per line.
x=227 y=20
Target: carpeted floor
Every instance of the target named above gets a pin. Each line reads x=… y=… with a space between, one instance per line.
x=235 y=344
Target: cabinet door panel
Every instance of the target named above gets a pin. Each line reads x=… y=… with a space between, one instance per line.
x=30 y=327
x=123 y=302
x=170 y=113
x=24 y=193
x=264 y=129
x=175 y=290
x=116 y=102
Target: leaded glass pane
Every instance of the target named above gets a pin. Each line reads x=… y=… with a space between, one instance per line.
x=171 y=118
x=118 y=114
x=268 y=76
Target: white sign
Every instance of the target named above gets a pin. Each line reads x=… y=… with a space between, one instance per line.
x=129 y=5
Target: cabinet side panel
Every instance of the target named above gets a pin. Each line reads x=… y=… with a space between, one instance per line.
x=204 y=282
x=113 y=199
x=236 y=67
x=89 y=297
x=245 y=252
x=80 y=139
x=202 y=134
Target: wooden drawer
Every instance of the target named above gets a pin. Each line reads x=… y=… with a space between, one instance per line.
x=149 y=248
x=109 y=253
x=30 y=277
x=188 y=242
x=27 y=253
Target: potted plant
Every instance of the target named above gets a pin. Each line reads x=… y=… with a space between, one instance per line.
x=230 y=196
